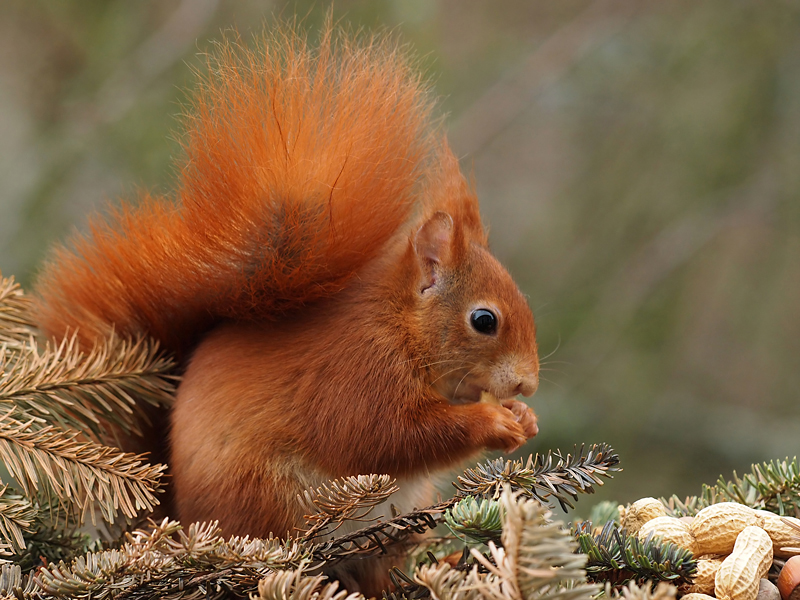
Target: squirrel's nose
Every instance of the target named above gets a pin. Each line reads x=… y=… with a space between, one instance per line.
x=527 y=386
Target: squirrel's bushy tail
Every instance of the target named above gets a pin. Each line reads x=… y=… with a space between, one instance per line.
x=300 y=164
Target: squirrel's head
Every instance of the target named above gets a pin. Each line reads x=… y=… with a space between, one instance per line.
x=474 y=323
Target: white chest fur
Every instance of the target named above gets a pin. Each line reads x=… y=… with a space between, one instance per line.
x=414 y=492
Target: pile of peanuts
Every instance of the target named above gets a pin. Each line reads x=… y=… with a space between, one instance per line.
x=734 y=545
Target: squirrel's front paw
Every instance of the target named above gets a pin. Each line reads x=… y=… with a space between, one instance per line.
x=507 y=433
x=525 y=417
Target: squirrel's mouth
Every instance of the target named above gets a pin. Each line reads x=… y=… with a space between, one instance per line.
x=467 y=393
x=472 y=394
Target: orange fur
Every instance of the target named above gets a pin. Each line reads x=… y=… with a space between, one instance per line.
x=318 y=275
x=332 y=145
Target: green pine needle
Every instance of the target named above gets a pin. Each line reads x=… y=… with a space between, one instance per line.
x=772 y=486
x=617 y=557
x=479 y=521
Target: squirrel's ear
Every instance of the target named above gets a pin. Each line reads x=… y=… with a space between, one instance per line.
x=433 y=245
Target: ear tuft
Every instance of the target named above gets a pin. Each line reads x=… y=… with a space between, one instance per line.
x=434 y=239
x=433 y=245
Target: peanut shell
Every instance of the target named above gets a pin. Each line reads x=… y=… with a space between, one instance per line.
x=669 y=529
x=697 y=596
x=781 y=534
x=640 y=512
x=715 y=527
x=739 y=575
x=704 y=578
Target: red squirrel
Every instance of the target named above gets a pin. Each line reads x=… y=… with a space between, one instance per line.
x=323 y=276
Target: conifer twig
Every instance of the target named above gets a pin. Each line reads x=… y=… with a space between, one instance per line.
x=537 y=558
x=772 y=486
x=377 y=538
x=345 y=499
x=543 y=476
x=17 y=515
x=200 y=563
x=14 y=585
x=538 y=478
x=616 y=557
x=51 y=542
x=646 y=591
x=78 y=474
x=443 y=582
x=480 y=521
x=296 y=585
x=169 y=562
x=16 y=324
x=63 y=386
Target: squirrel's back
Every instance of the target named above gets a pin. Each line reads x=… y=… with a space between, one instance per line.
x=300 y=164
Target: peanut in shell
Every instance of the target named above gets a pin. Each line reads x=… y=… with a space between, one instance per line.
x=740 y=573
x=716 y=527
x=704 y=578
x=640 y=512
x=781 y=534
x=669 y=529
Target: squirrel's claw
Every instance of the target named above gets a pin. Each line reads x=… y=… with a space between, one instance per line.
x=524 y=416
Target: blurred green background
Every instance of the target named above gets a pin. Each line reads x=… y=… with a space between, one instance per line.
x=638 y=163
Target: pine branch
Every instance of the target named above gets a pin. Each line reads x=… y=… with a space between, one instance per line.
x=772 y=486
x=78 y=474
x=13 y=585
x=616 y=557
x=603 y=512
x=17 y=328
x=169 y=562
x=688 y=507
x=65 y=387
x=200 y=563
x=295 y=585
x=633 y=591
x=442 y=582
x=376 y=539
x=541 y=477
x=536 y=559
x=479 y=521
x=346 y=499
x=51 y=544
x=17 y=516
x=32 y=535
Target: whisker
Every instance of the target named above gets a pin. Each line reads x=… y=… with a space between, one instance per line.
x=558 y=345
x=415 y=359
x=446 y=373
x=439 y=362
x=455 y=392
x=551 y=382
x=555 y=362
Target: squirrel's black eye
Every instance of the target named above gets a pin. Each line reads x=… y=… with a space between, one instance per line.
x=483 y=321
